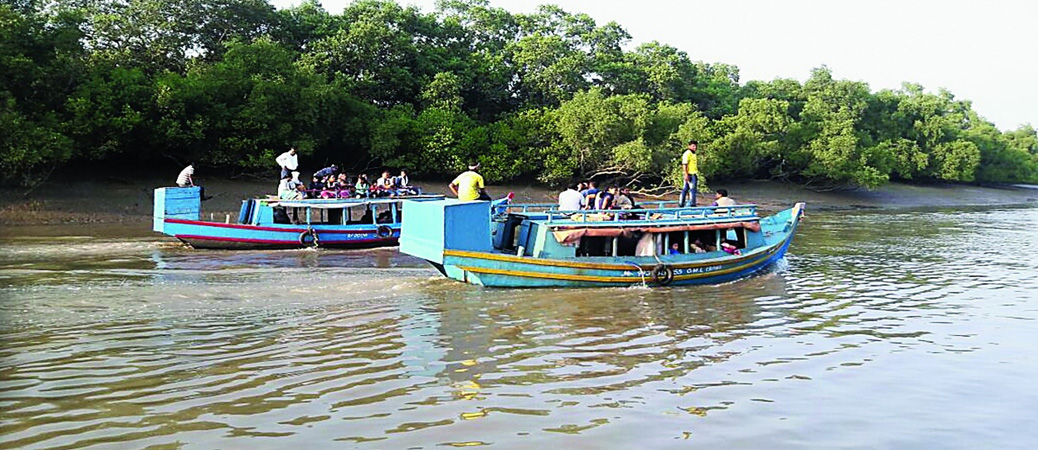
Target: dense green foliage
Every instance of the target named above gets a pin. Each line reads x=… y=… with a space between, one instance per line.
x=550 y=95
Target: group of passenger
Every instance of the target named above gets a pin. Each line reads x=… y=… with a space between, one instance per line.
x=330 y=182
x=586 y=195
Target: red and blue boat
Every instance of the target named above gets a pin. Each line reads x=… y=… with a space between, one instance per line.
x=269 y=223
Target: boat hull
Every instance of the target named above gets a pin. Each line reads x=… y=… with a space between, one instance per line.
x=215 y=235
x=491 y=270
x=496 y=269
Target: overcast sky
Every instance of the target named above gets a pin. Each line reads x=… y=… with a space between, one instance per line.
x=983 y=51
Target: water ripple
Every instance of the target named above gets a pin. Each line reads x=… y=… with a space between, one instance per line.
x=872 y=321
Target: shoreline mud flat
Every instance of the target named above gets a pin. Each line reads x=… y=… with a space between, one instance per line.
x=110 y=202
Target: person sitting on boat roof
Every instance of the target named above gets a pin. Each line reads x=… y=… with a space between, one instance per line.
x=186 y=179
x=327 y=171
x=721 y=198
x=362 y=186
x=469 y=185
x=604 y=199
x=385 y=181
x=624 y=200
x=570 y=199
x=342 y=186
x=318 y=184
x=329 y=187
x=384 y=186
x=402 y=181
x=589 y=194
x=291 y=188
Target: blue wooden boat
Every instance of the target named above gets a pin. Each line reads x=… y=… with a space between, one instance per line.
x=540 y=246
x=277 y=224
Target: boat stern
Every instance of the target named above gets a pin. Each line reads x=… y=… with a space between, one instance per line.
x=431 y=226
x=176 y=203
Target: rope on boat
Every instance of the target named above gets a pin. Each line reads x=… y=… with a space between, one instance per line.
x=641 y=272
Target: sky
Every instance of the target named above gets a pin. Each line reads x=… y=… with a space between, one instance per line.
x=982 y=51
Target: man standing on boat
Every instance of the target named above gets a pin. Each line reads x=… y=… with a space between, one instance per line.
x=288 y=162
x=690 y=173
x=469 y=185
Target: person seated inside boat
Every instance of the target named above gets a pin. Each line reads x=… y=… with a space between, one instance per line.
x=675 y=249
x=362 y=187
x=721 y=198
x=730 y=248
x=569 y=200
x=698 y=246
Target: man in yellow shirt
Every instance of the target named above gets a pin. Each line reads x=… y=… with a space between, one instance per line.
x=690 y=172
x=469 y=185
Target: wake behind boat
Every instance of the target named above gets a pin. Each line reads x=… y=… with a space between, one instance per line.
x=277 y=224
x=539 y=246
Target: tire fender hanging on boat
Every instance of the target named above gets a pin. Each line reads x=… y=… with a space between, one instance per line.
x=662 y=274
x=384 y=231
x=312 y=235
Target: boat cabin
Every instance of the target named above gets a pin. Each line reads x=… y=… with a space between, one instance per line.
x=541 y=231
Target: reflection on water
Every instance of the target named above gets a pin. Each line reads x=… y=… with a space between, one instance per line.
x=879 y=330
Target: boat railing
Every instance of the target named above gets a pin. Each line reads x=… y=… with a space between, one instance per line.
x=546 y=207
x=557 y=217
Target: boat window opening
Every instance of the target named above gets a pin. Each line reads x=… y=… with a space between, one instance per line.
x=595 y=246
x=627 y=246
x=359 y=216
x=736 y=237
x=383 y=216
x=326 y=217
x=707 y=239
x=676 y=238
x=281 y=215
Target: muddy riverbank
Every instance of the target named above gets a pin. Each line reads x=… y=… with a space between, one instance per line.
x=112 y=202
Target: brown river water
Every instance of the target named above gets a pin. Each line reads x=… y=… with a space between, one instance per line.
x=883 y=329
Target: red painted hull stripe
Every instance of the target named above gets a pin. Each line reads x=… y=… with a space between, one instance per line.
x=259 y=228
x=279 y=242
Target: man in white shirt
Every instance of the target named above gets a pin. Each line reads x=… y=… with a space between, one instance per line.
x=570 y=199
x=721 y=198
x=288 y=162
x=184 y=179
